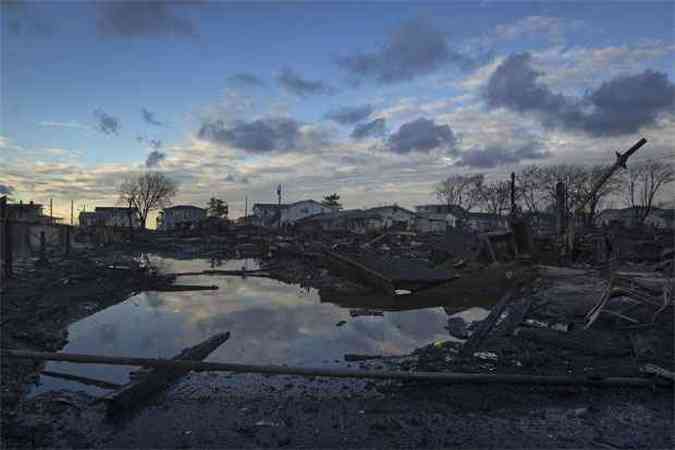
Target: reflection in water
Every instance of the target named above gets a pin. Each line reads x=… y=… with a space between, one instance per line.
x=270 y=323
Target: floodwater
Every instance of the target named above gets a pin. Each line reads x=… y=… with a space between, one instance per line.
x=270 y=323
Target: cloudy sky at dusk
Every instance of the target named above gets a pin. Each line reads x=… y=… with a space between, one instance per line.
x=375 y=101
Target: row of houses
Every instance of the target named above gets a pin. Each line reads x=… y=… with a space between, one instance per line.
x=169 y=218
x=310 y=215
x=29 y=212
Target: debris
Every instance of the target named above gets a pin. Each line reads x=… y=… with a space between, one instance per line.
x=340 y=323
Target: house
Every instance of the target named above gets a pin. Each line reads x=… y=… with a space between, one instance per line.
x=426 y=224
x=110 y=216
x=293 y=212
x=273 y=215
x=394 y=217
x=452 y=214
x=180 y=216
x=630 y=217
x=483 y=222
x=354 y=220
x=20 y=212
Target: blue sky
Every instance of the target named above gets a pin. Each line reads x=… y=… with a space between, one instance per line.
x=66 y=66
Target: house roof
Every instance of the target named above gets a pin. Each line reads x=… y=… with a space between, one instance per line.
x=377 y=208
x=454 y=209
x=482 y=215
x=350 y=214
x=172 y=208
x=114 y=209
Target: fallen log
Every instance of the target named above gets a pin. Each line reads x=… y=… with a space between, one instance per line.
x=440 y=377
x=84 y=380
x=160 y=378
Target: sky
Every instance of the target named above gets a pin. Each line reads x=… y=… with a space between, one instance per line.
x=376 y=101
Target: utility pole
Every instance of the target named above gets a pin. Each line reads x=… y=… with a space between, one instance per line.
x=279 y=207
x=513 y=194
x=51 y=210
x=72 y=213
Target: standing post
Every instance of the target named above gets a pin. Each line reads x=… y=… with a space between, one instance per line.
x=279 y=205
x=72 y=215
x=51 y=211
x=513 y=194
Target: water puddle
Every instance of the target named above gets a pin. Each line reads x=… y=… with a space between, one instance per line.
x=270 y=323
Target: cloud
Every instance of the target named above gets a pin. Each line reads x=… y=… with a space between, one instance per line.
x=374 y=128
x=552 y=28
x=154 y=158
x=421 y=135
x=71 y=124
x=246 y=79
x=619 y=106
x=141 y=18
x=262 y=135
x=497 y=155
x=295 y=84
x=106 y=123
x=415 y=48
x=149 y=117
x=350 y=115
x=6 y=189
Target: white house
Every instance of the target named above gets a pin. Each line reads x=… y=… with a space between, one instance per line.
x=110 y=216
x=394 y=217
x=271 y=215
x=451 y=214
x=354 y=220
x=179 y=216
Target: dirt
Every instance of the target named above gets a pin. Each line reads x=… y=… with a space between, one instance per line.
x=251 y=411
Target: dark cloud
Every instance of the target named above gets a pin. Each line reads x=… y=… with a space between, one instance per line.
x=415 y=48
x=106 y=123
x=149 y=117
x=350 y=115
x=141 y=18
x=373 y=128
x=154 y=158
x=6 y=189
x=246 y=79
x=421 y=135
x=24 y=18
x=496 y=155
x=263 y=135
x=295 y=84
x=620 y=106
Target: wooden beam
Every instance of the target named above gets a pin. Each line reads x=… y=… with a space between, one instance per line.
x=440 y=377
x=160 y=378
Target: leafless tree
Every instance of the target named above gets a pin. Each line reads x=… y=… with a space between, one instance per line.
x=495 y=197
x=460 y=190
x=147 y=192
x=642 y=182
x=585 y=193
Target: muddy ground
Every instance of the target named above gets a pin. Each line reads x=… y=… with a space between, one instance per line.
x=223 y=410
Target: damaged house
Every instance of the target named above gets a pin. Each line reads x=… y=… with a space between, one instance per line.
x=110 y=216
x=272 y=215
x=180 y=216
x=452 y=215
x=353 y=220
x=394 y=217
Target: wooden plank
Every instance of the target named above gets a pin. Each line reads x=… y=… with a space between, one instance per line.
x=440 y=377
x=160 y=378
x=474 y=341
x=84 y=380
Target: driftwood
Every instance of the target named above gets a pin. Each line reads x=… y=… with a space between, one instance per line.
x=477 y=338
x=160 y=378
x=439 y=377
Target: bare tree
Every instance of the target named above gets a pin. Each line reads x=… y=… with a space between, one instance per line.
x=529 y=189
x=642 y=182
x=461 y=190
x=584 y=189
x=147 y=192
x=495 y=197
